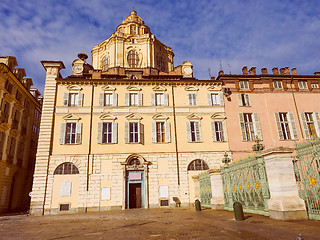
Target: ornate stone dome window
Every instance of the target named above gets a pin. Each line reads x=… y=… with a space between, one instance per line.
x=133 y=59
x=104 y=63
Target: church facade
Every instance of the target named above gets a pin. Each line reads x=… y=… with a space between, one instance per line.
x=129 y=131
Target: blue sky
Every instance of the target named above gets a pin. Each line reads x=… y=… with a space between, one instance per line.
x=259 y=33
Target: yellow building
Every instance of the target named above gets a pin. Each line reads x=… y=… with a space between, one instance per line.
x=20 y=113
x=129 y=131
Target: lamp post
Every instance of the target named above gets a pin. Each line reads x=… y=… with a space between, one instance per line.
x=226 y=159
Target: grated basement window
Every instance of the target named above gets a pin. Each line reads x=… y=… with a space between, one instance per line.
x=64 y=207
x=164 y=203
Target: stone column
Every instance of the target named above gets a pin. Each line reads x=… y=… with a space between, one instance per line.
x=284 y=203
x=40 y=177
x=217 y=200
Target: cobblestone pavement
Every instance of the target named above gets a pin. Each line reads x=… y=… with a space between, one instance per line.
x=171 y=224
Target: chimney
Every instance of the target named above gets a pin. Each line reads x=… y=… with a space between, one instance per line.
x=245 y=70
x=294 y=71
x=275 y=71
x=252 y=71
x=264 y=71
x=27 y=82
x=221 y=72
x=316 y=73
x=282 y=71
x=20 y=73
x=286 y=71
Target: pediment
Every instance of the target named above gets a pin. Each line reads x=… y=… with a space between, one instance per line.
x=108 y=116
x=218 y=116
x=160 y=116
x=133 y=116
x=214 y=88
x=108 y=88
x=71 y=116
x=159 y=89
x=75 y=88
x=194 y=116
x=191 y=88
x=133 y=88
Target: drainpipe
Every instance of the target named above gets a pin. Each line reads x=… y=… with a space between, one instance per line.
x=90 y=133
x=175 y=132
x=296 y=107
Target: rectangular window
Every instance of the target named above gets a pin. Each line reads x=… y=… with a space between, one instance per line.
x=215 y=99
x=277 y=84
x=243 y=84
x=71 y=133
x=133 y=29
x=160 y=131
x=108 y=99
x=284 y=124
x=311 y=124
x=302 y=85
x=133 y=99
x=249 y=127
x=8 y=86
x=159 y=99
x=107 y=132
x=4 y=112
x=244 y=99
x=194 y=132
x=73 y=99
x=217 y=131
x=192 y=99
x=11 y=149
x=133 y=132
x=2 y=137
x=315 y=85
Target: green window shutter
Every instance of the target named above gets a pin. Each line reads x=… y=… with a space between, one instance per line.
x=257 y=126
x=80 y=102
x=153 y=99
x=101 y=99
x=154 y=132
x=292 y=125
x=78 y=131
x=167 y=132
x=126 y=132
x=280 y=133
x=66 y=99
x=115 y=99
x=114 y=132
x=127 y=99
x=63 y=133
x=140 y=99
x=213 y=132
x=100 y=127
x=166 y=99
x=209 y=99
x=242 y=127
x=188 y=125
x=316 y=120
x=305 y=126
x=221 y=99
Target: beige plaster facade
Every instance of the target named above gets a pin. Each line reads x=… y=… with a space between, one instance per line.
x=129 y=131
x=20 y=113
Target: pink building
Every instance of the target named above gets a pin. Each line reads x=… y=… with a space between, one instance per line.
x=278 y=108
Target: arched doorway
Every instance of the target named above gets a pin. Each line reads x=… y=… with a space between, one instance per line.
x=136 y=182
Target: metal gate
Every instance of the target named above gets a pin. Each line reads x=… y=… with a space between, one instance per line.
x=205 y=189
x=307 y=172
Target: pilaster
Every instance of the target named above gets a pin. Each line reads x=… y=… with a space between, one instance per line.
x=217 y=200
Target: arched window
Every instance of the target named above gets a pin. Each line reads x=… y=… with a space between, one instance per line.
x=66 y=168
x=197 y=164
x=104 y=63
x=133 y=59
x=134 y=161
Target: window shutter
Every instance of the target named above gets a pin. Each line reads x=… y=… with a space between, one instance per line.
x=256 y=125
x=293 y=128
x=316 y=120
x=190 y=99
x=305 y=126
x=195 y=100
x=101 y=99
x=140 y=99
x=167 y=132
x=127 y=99
x=213 y=131
x=78 y=131
x=114 y=132
x=242 y=127
x=141 y=133
x=154 y=132
x=115 y=99
x=66 y=99
x=126 y=132
x=221 y=99
x=166 y=99
x=100 y=127
x=198 y=133
x=280 y=133
x=80 y=103
x=246 y=97
x=63 y=133
x=240 y=100
x=222 y=131
x=188 y=131
x=153 y=99
x=209 y=99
